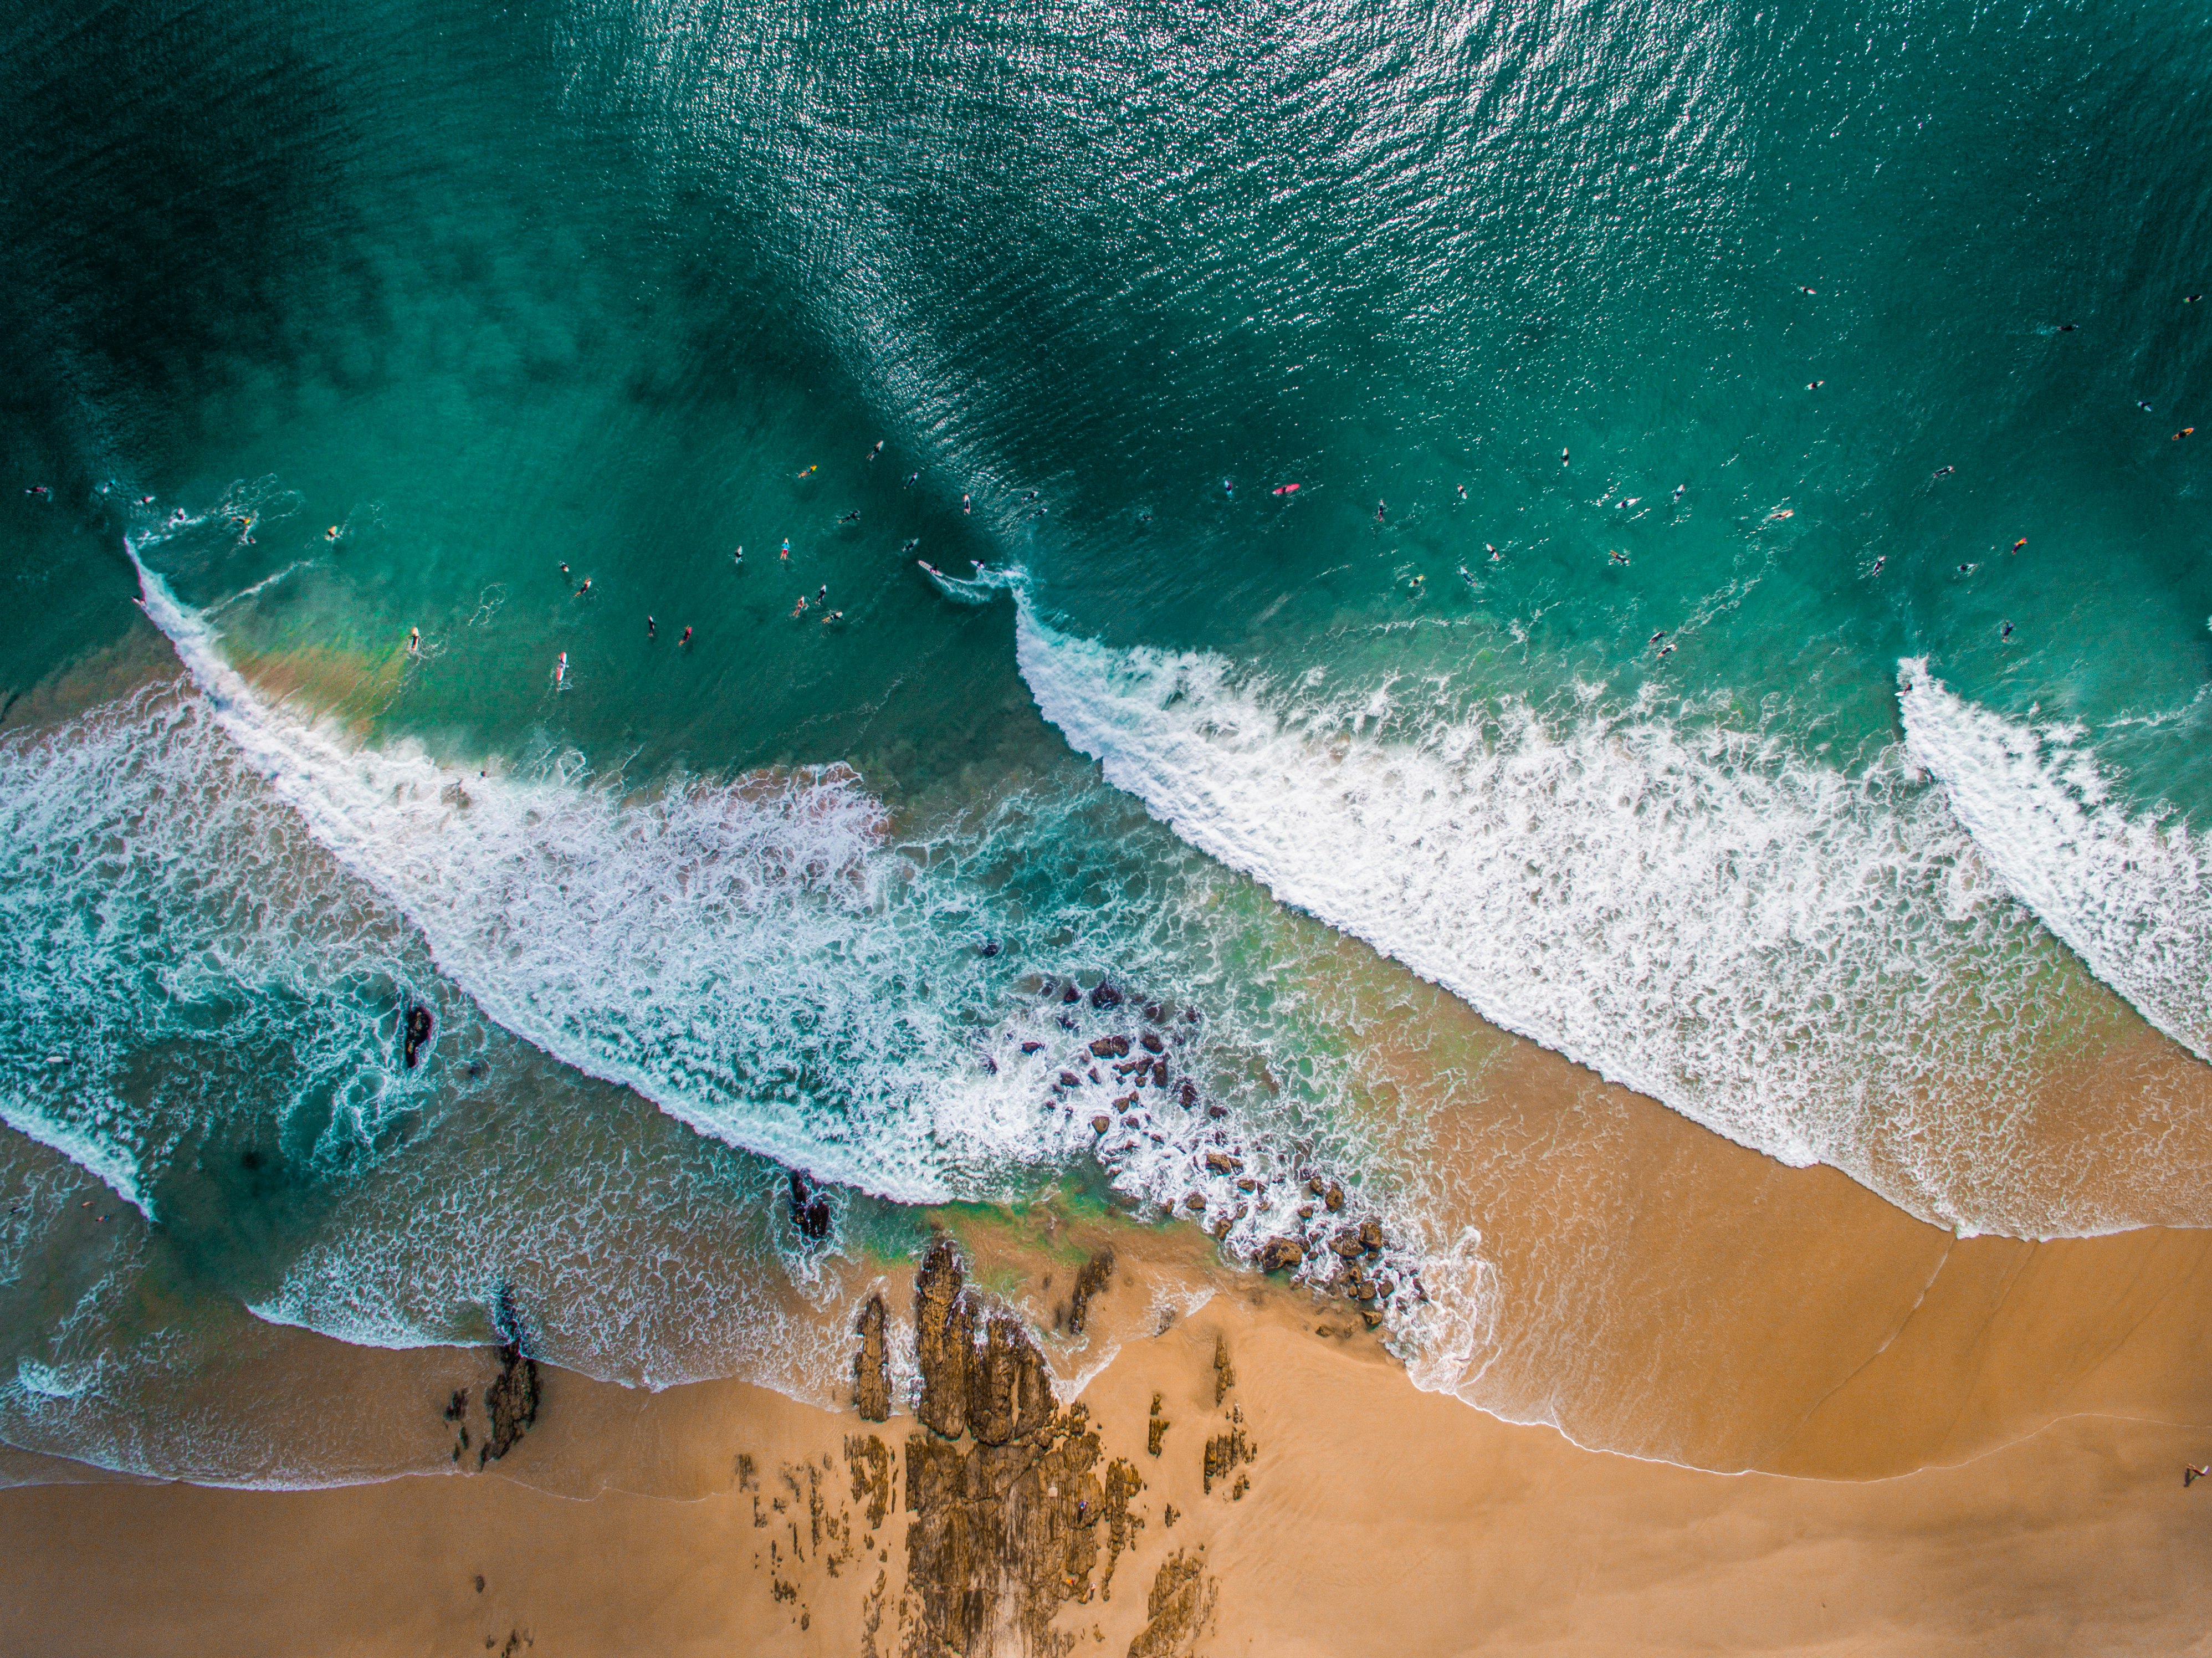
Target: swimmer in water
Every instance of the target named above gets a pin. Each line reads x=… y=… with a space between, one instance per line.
x=967 y=502
x=786 y=554
x=1945 y=471
x=331 y=534
x=848 y=518
x=564 y=573
x=800 y=608
x=2006 y=634
x=1562 y=458
x=586 y=588
x=686 y=639
x=877 y=450
x=1878 y=563
x=1613 y=555
x=1382 y=509
x=2183 y=433
x=651 y=628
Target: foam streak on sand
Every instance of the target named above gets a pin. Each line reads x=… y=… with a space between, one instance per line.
x=1817 y=965
x=2132 y=896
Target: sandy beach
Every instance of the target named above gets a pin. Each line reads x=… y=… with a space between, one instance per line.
x=1304 y=1499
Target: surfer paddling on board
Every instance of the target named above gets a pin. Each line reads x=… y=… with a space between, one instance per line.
x=1287 y=488
x=560 y=672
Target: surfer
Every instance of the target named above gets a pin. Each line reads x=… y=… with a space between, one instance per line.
x=1381 y=511
x=1814 y=385
x=800 y=608
x=1657 y=637
x=834 y=615
x=822 y=596
x=686 y=639
x=810 y=472
x=912 y=541
x=1562 y=458
x=561 y=672
x=414 y=641
x=564 y=573
x=738 y=559
x=2183 y=433
x=2145 y=407
x=1801 y=289
x=1945 y=471
x=586 y=588
x=651 y=628
x=786 y=554
x=1462 y=494
x=912 y=478
x=853 y=517
x=2191 y=1474
x=1228 y=488
x=331 y=534
x=2190 y=299
x=877 y=450
x=2068 y=327
x=2005 y=633
x=1878 y=563
x=1614 y=555
x=44 y=492
x=2022 y=543
x=967 y=503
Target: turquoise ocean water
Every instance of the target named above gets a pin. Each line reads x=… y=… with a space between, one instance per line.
x=1740 y=622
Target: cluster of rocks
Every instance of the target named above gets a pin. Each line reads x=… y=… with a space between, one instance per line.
x=511 y=1400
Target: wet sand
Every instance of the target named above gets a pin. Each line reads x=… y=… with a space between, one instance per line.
x=1376 y=1519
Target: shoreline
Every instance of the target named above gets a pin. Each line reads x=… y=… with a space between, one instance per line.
x=1348 y=1512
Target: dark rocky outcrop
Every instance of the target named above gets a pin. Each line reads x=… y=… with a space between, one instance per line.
x=872 y=1366
x=1002 y=1531
x=1225 y=1373
x=1281 y=1254
x=417 y=1026
x=871 y=1461
x=1105 y=997
x=511 y=1401
x=1179 y=1609
x=1090 y=1280
x=1110 y=1048
x=809 y=1209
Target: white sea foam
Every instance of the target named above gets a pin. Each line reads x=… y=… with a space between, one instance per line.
x=1817 y=965
x=2131 y=894
x=759 y=959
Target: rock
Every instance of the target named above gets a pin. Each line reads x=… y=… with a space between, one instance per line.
x=1110 y=1048
x=511 y=1401
x=1180 y=1608
x=943 y=1339
x=1189 y=1094
x=1281 y=1255
x=1151 y=1041
x=1194 y=1201
x=1225 y=1373
x=1100 y=1124
x=1153 y=1012
x=1346 y=1244
x=1316 y=1185
x=1105 y=996
x=1216 y=1110
x=871 y=1370
x=418 y=1025
x=1371 y=1236
x=1246 y=1183
x=1032 y=1048
x=1091 y=1280
x=1069 y=1079
x=1222 y=1163
x=1305 y=1211
x=1334 y=1198
x=809 y=1210
x=988 y=948
x=1009 y=1390
x=1071 y=995
x=872 y=1462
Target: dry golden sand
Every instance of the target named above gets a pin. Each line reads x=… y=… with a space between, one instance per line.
x=1377 y=1520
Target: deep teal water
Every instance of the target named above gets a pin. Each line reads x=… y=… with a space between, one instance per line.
x=1826 y=311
